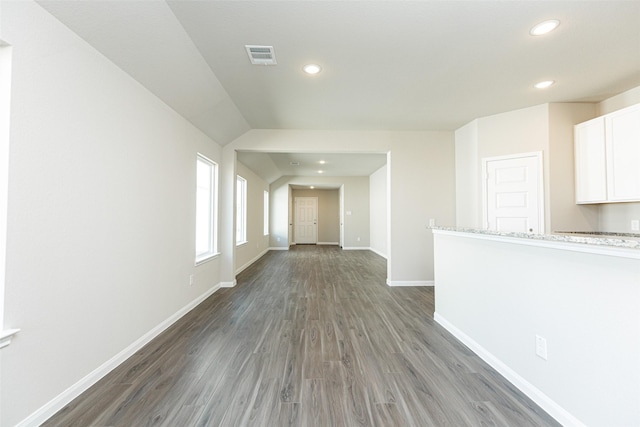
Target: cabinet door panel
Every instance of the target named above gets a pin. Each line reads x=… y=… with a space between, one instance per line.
x=590 y=163
x=623 y=154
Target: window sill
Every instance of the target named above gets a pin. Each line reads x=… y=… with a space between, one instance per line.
x=6 y=335
x=242 y=243
x=206 y=258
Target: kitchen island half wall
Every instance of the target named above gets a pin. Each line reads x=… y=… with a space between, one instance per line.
x=575 y=300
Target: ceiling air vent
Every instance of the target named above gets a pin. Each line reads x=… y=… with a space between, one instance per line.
x=261 y=55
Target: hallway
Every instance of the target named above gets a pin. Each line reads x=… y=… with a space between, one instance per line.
x=309 y=337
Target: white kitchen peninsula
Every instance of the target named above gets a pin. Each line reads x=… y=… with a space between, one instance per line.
x=498 y=292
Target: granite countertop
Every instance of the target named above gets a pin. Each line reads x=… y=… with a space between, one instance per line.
x=620 y=240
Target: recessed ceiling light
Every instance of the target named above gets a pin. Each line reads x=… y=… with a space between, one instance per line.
x=543 y=85
x=311 y=69
x=544 y=27
x=312 y=187
x=320 y=171
x=322 y=162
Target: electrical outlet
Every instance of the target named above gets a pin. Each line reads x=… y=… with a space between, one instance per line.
x=635 y=225
x=541 y=347
x=191 y=280
x=358 y=239
x=277 y=239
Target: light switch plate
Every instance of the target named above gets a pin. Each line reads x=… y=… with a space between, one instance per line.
x=541 y=347
x=635 y=225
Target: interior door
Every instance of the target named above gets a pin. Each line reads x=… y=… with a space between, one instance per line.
x=513 y=195
x=306 y=220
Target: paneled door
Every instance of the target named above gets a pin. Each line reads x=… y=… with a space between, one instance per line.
x=306 y=220
x=513 y=193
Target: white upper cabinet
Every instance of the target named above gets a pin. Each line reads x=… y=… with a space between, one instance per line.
x=623 y=154
x=590 y=162
x=607 y=158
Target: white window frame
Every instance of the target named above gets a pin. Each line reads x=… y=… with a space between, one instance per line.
x=266 y=212
x=211 y=219
x=241 y=210
x=5 y=104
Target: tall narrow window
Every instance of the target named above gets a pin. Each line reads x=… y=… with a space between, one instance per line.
x=206 y=201
x=5 y=104
x=241 y=210
x=266 y=213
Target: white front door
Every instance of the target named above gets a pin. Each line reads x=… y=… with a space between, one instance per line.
x=306 y=220
x=513 y=193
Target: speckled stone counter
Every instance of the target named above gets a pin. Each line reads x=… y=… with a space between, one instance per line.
x=622 y=243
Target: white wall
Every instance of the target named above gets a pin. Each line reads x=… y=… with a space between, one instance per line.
x=328 y=213
x=547 y=128
x=468 y=184
x=5 y=103
x=620 y=101
x=378 y=211
x=585 y=305
x=101 y=212
x=356 y=200
x=422 y=186
x=565 y=213
x=520 y=131
x=257 y=243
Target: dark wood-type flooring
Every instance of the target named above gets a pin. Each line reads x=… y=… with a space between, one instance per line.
x=309 y=337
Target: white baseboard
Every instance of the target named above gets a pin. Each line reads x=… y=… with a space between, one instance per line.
x=378 y=253
x=328 y=243
x=545 y=402
x=228 y=284
x=279 y=248
x=60 y=401
x=356 y=248
x=257 y=257
x=410 y=282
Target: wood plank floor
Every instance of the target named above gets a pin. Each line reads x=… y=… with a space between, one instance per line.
x=309 y=337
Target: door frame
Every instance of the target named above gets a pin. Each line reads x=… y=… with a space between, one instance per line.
x=485 y=192
x=341 y=219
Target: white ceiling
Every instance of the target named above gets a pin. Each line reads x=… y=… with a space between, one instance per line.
x=391 y=65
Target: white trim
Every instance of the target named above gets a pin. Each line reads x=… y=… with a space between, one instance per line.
x=279 y=248
x=248 y=264
x=228 y=284
x=328 y=243
x=410 y=282
x=356 y=248
x=49 y=409
x=378 y=253
x=5 y=121
x=541 y=192
x=206 y=258
x=545 y=402
x=539 y=240
x=212 y=217
x=6 y=336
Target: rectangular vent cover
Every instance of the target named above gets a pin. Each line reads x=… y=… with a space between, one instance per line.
x=261 y=55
